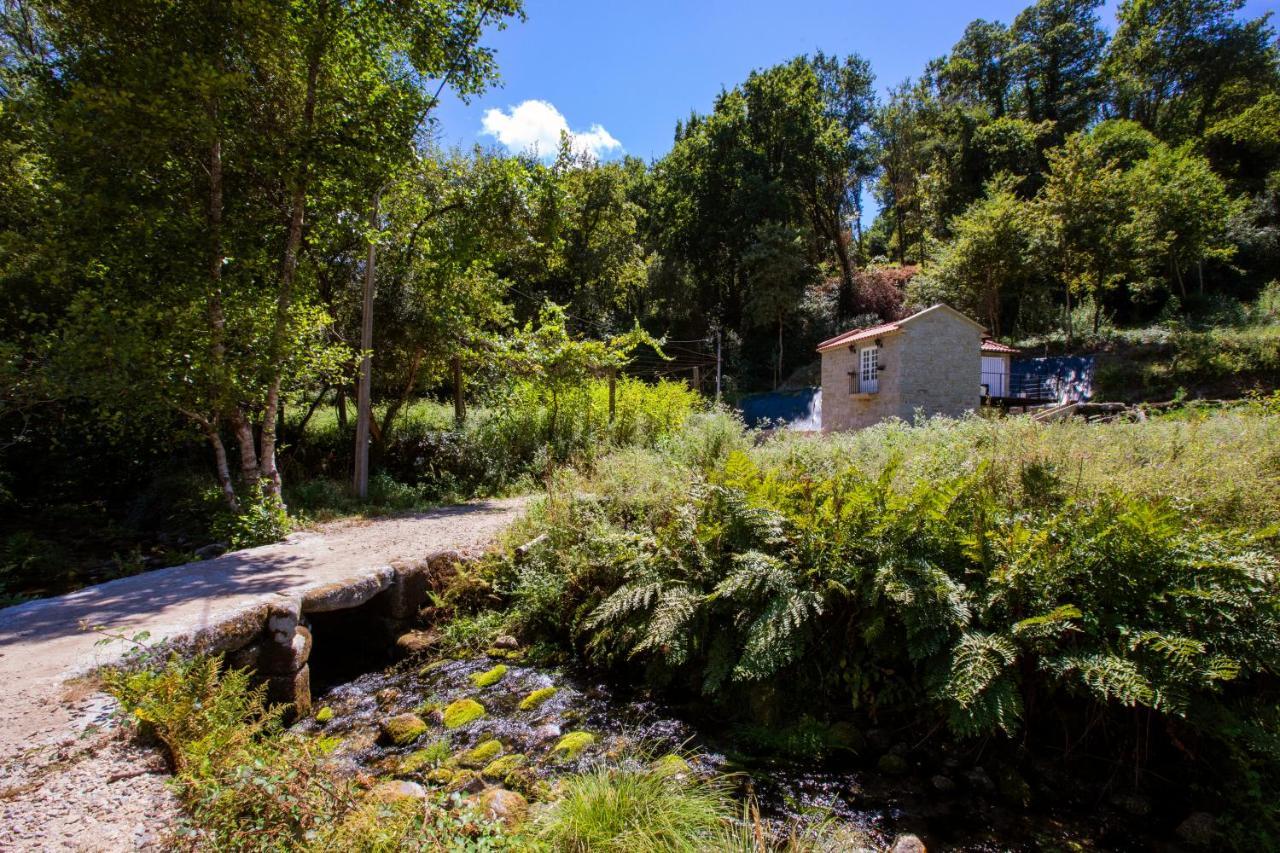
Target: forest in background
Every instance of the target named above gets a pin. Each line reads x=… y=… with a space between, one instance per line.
x=191 y=194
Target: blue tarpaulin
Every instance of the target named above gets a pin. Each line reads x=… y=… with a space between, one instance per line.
x=1071 y=376
x=799 y=409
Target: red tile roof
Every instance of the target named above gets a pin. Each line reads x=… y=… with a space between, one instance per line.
x=853 y=335
x=995 y=346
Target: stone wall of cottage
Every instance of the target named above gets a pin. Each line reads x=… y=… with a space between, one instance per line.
x=941 y=366
x=844 y=410
x=931 y=365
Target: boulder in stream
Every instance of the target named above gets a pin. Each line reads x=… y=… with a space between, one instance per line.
x=537 y=697
x=398 y=789
x=489 y=677
x=907 y=844
x=481 y=754
x=461 y=712
x=500 y=768
x=416 y=643
x=571 y=745
x=403 y=729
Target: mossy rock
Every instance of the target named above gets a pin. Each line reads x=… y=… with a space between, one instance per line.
x=324 y=715
x=441 y=776
x=670 y=766
x=537 y=697
x=461 y=712
x=433 y=666
x=481 y=754
x=403 y=729
x=571 y=745
x=503 y=767
x=894 y=765
x=845 y=737
x=421 y=759
x=466 y=780
x=490 y=677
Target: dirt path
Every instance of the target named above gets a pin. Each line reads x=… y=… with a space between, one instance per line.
x=58 y=762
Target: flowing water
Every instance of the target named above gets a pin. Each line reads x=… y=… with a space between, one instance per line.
x=623 y=725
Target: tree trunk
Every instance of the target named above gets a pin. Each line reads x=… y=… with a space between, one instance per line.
x=222 y=467
x=311 y=410
x=363 y=401
x=250 y=473
x=215 y=313
x=459 y=402
x=845 y=300
x=394 y=407
x=284 y=296
x=340 y=403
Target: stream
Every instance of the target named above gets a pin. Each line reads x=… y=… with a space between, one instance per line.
x=574 y=723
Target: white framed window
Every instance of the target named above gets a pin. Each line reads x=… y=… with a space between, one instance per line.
x=869 y=370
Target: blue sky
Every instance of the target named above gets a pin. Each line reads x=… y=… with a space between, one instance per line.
x=619 y=75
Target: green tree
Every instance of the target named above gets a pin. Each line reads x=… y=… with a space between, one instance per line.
x=1058 y=46
x=1089 y=227
x=189 y=144
x=991 y=268
x=1176 y=66
x=1181 y=209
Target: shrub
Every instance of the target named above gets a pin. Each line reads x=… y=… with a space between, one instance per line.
x=249 y=785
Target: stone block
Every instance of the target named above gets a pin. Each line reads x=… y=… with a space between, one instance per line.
x=345 y=594
x=294 y=690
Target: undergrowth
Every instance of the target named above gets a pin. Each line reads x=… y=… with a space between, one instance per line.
x=1110 y=588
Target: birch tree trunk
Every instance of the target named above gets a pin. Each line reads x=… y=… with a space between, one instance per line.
x=270 y=474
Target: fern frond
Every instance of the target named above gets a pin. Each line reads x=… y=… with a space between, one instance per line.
x=1108 y=677
x=1048 y=624
x=774 y=638
x=755 y=573
x=626 y=601
x=666 y=629
x=977 y=661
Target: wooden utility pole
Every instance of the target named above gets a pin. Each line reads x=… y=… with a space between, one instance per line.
x=697 y=379
x=717 y=362
x=363 y=403
x=459 y=403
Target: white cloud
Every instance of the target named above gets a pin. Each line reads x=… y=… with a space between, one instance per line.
x=536 y=126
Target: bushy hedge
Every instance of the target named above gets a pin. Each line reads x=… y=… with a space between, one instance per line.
x=514 y=436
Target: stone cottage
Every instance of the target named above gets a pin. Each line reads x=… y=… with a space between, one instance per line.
x=930 y=362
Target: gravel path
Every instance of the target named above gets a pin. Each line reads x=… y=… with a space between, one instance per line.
x=70 y=781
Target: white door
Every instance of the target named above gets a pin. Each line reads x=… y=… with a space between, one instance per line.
x=869 y=370
x=994 y=376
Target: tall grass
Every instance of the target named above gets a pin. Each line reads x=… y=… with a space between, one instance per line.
x=621 y=811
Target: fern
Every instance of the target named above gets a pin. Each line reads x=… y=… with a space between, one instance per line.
x=1046 y=625
x=666 y=629
x=774 y=637
x=1107 y=677
x=755 y=574
x=626 y=601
